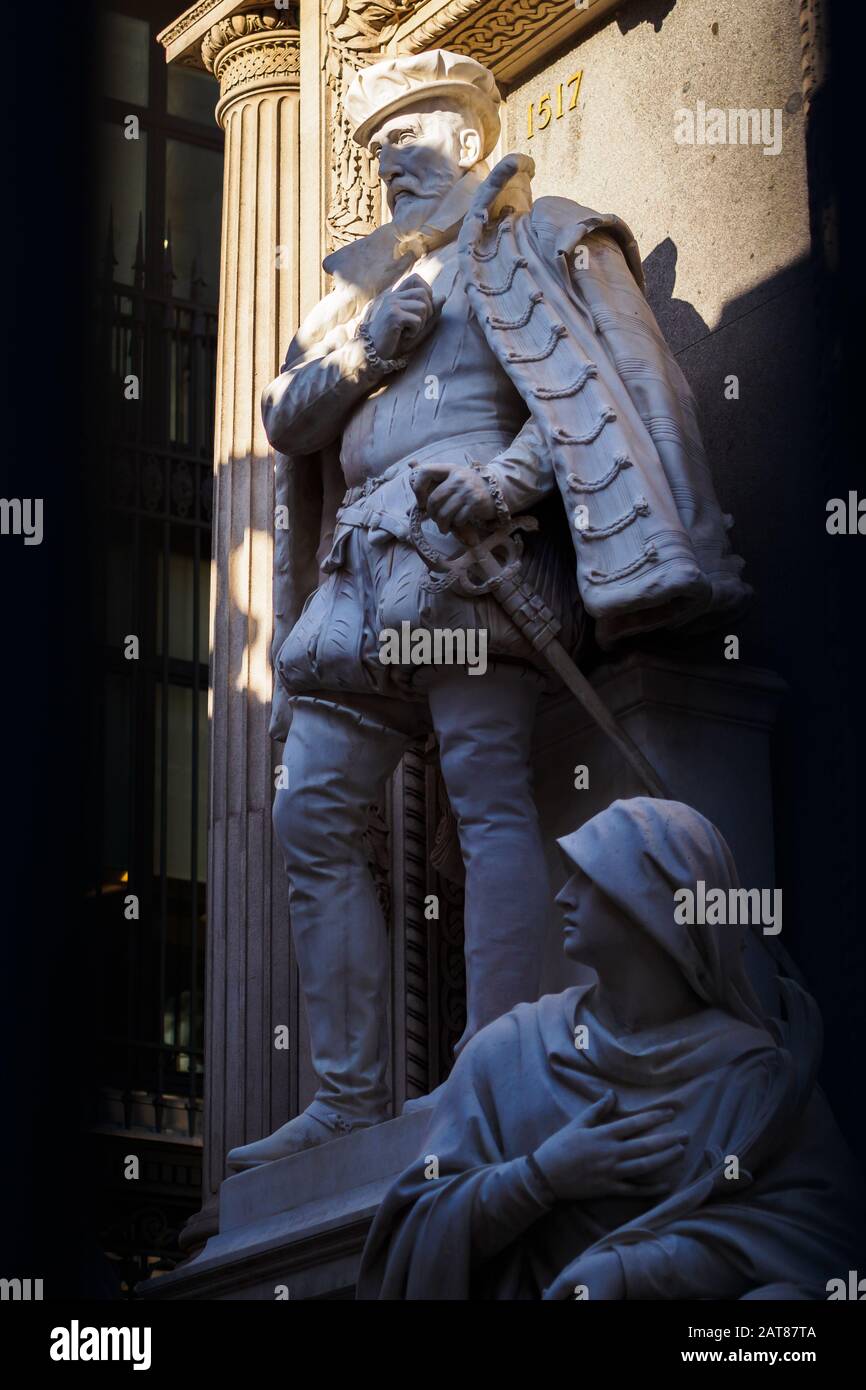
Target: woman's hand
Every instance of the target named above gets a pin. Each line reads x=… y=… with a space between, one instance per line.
x=596 y=1157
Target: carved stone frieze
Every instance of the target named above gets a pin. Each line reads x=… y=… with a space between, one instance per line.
x=184 y=23
x=506 y=37
x=184 y=39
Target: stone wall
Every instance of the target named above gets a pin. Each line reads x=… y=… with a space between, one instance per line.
x=740 y=251
x=723 y=231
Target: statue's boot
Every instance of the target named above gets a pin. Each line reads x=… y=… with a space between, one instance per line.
x=336 y=762
x=305 y=1131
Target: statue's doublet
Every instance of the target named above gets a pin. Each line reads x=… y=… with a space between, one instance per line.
x=453 y=401
x=452 y=383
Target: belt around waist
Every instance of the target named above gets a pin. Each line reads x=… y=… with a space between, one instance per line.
x=447 y=448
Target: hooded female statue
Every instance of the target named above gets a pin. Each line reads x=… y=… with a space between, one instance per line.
x=648 y=1133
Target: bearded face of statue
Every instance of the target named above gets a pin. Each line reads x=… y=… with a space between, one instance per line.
x=422 y=151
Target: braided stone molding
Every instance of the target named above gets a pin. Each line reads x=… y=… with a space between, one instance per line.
x=814 y=58
x=448 y=884
x=823 y=211
x=501 y=28
x=488 y=30
x=277 y=58
x=411 y=883
x=813 y=48
x=445 y=19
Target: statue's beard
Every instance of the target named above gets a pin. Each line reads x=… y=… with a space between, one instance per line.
x=410 y=209
x=414 y=203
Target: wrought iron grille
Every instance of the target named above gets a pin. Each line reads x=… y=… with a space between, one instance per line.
x=154 y=349
x=158 y=358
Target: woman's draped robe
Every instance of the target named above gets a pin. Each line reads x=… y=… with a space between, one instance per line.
x=743 y=1086
x=523 y=1078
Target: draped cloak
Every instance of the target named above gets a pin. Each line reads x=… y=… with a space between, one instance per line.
x=743 y=1085
x=581 y=345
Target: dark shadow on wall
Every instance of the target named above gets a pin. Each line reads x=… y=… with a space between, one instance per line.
x=682 y=325
x=653 y=12
x=678 y=320
x=775 y=463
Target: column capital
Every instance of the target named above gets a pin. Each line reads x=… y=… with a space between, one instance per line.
x=250 y=52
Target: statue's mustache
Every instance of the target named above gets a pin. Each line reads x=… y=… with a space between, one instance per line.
x=413 y=189
x=434 y=181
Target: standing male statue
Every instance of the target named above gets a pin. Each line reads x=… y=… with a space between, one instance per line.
x=501 y=355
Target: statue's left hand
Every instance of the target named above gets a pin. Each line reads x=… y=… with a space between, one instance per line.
x=454 y=495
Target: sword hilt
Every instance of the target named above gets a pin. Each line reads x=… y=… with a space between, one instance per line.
x=486 y=560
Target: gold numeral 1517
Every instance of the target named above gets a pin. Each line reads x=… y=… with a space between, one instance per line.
x=544 y=113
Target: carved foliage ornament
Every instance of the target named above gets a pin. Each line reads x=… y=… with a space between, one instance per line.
x=357 y=32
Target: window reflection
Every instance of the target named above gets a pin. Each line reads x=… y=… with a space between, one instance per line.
x=125 y=57
x=121 y=197
x=182 y=611
x=180 y=784
x=193 y=203
x=192 y=95
x=115 y=778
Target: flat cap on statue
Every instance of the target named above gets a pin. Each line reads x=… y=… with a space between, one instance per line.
x=380 y=90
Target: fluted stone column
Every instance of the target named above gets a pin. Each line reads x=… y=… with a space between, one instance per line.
x=249 y=1083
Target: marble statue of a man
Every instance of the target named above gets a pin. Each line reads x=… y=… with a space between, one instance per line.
x=501 y=355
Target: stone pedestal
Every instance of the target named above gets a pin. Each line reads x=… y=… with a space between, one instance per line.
x=296 y=1228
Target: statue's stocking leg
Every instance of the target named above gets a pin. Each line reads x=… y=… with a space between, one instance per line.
x=484 y=725
x=336 y=763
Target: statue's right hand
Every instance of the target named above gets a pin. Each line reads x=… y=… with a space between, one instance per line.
x=402 y=317
x=594 y=1157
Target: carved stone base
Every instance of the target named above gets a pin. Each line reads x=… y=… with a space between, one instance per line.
x=199 y=1229
x=298 y=1225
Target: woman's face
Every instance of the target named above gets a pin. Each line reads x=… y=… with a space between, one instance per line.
x=599 y=935
x=594 y=931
